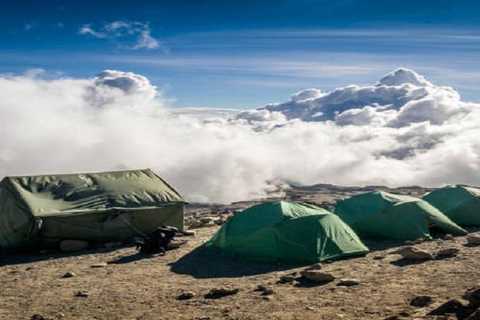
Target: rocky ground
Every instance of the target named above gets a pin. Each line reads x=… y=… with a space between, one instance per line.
x=193 y=283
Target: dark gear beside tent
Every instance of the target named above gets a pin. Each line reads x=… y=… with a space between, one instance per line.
x=39 y=211
x=460 y=203
x=157 y=241
x=286 y=231
x=386 y=215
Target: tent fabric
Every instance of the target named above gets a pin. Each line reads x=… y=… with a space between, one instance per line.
x=288 y=232
x=460 y=203
x=106 y=206
x=386 y=215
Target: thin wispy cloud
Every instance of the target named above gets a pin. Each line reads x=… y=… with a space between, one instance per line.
x=87 y=30
x=256 y=65
x=126 y=34
x=284 y=33
x=327 y=39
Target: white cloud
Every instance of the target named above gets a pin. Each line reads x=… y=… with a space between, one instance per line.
x=87 y=30
x=399 y=99
x=396 y=134
x=133 y=35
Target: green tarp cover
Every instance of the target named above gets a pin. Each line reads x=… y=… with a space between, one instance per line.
x=106 y=206
x=286 y=231
x=460 y=203
x=386 y=215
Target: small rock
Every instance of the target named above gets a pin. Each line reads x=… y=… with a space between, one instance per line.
x=264 y=289
x=73 y=245
x=221 y=292
x=37 y=317
x=473 y=239
x=348 y=282
x=209 y=224
x=451 y=306
x=421 y=301
x=189 y=233
x=220 y=221
x=175 y=244
x=419 y=241
x=82 y=294
x=194 y=223
x=410 y=252
x=317 y=276
x=379 y=257
x=447 y=252
x=99 y=265
x=186 y=295
x=287 y=278
x=205 y=220
x=408 y=242
x=69 y=274
x=226 y=310
x=316 y=266
x=448 y=237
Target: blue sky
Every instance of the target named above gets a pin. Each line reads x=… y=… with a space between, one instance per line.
x=244 y=54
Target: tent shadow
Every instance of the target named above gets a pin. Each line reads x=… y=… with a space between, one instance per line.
x=19 y=258
x=202 y=263
x=132 y=258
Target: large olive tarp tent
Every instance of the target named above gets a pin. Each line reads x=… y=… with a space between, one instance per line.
x=386 y=215
x=286 y=231
x=460 y=203
x=107 y=206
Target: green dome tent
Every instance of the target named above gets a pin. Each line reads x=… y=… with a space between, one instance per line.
x=286 y=231
x=385 y=215
x=461 y=204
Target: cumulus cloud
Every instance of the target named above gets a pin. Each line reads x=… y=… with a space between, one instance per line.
x=132 y=35
x=403 y=130
x=121 y=88
x=399 y=99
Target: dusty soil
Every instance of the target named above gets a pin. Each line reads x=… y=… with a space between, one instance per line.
x=134 y=286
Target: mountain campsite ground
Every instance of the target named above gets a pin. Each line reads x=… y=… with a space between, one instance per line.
x=118 y=283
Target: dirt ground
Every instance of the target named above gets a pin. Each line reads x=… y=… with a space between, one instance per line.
x=134 y=286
